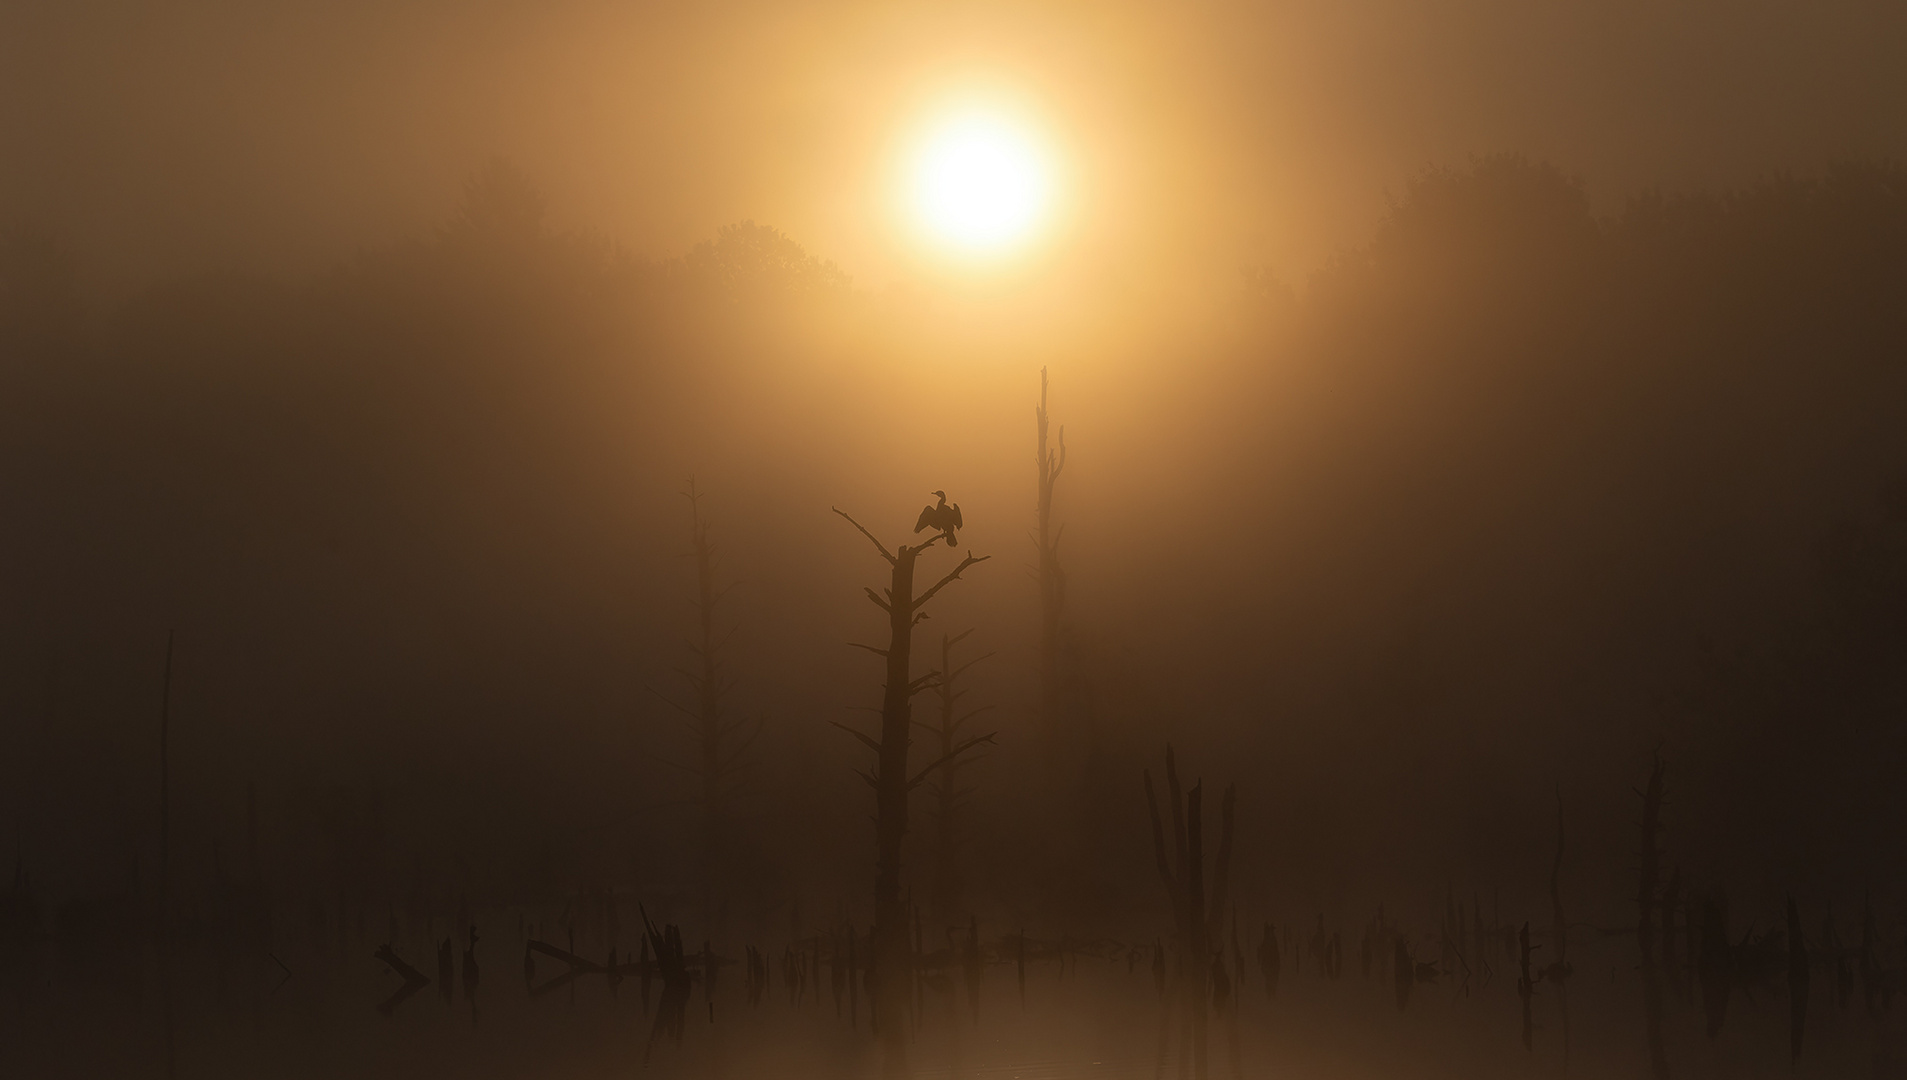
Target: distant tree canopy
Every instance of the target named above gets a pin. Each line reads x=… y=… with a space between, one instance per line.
x=501 y=207
x=750 y=262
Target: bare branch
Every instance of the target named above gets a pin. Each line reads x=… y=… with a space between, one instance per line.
x=948 y=580
x=973 y=714
x=666 y=700
x=869 y=648
x=872 y=744
x=878 y=602
x=736 y=756
x=878 y=546
x=948 y=757
x=929 y=542
x=666 y=761
x=961 y=670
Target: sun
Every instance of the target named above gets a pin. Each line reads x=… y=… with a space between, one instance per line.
x=979 y=182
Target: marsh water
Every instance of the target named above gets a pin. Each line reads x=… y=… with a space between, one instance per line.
x=1087 y=1013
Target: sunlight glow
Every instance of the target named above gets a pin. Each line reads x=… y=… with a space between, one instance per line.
x=980 y=183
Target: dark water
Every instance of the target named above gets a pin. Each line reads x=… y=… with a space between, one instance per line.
x=1084 y=1018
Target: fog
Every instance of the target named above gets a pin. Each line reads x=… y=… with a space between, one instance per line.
x=160 y=139
x=1465 y=412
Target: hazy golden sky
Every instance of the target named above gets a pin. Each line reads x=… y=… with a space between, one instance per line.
x=160 y=138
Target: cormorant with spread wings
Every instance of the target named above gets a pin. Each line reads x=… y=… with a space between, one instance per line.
x=944 y=517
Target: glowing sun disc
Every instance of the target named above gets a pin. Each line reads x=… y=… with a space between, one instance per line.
x=979 y=183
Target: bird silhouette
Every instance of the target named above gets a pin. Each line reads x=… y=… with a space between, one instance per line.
x=944 y=517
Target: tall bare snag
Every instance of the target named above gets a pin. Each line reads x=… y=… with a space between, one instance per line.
x=892 y=783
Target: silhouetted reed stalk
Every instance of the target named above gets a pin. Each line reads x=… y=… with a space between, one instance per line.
x=889 y=966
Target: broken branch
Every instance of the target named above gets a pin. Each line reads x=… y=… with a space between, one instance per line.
x=948 y=580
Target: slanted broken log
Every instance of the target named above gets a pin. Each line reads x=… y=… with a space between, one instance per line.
x=396 y=963
x=414 y=980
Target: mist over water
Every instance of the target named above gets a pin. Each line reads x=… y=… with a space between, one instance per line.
x=514 y=563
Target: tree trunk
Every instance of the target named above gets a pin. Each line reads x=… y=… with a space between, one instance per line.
x=1649 y=867
x=890 y=801
x=708 y=714
x=891 y=947
x=1197 y=915
x=1052 y=581
x=946 y=871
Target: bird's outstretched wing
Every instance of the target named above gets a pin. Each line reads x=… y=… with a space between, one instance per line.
x=955 y=515
x=926 y=518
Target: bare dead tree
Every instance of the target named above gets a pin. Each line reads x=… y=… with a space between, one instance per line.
x=1197 y=913
x=165 y=860
x=948 y=796
x=892 y=783
x=1560 y=969
x=1648 y=877
x=720 y=744
x=1649 y=867
x=1052 y=580
x=1798 y=972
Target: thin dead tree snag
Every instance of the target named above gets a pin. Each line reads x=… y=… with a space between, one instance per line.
x=1649 y=865
x=1648 y=877
x=1052 y=580
x=1197 y=913
x=948 y=795
x=720 y=743
x=892 y=782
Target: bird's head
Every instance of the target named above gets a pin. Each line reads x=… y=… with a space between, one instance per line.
x=938 y=494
